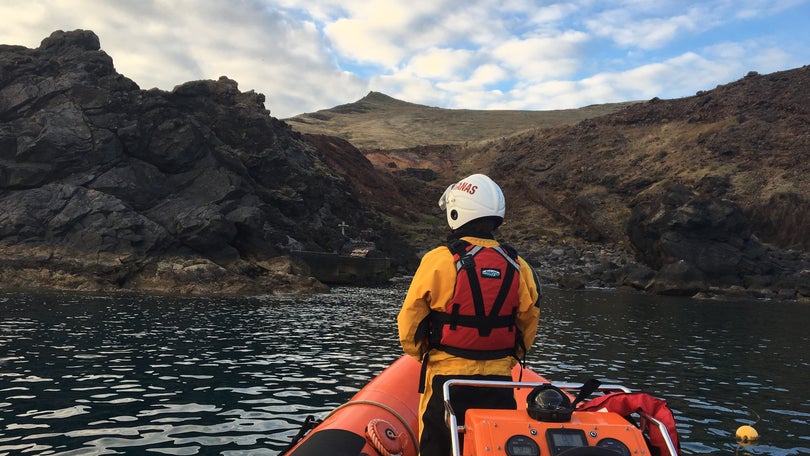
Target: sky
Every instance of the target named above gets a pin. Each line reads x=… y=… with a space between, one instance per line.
x=306 y=55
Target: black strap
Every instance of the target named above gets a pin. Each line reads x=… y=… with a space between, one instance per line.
x=475 y=290
x=423 y=371
x=458 y=247
x=473 y=321
x=477 y=354
x=466 y=262
x=510 y=251
x=587 y=388
x=455 y=317
x=502 y=293
x=423 y=331
x=309 y=423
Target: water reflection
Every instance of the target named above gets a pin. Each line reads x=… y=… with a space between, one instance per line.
x=92 y=375
x=719 y=365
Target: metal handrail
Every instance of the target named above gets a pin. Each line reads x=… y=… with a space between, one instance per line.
x=662 y=429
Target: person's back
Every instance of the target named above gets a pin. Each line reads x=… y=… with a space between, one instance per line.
x=471 y=310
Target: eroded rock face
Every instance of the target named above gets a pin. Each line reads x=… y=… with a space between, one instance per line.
x=696 y=241
x=112 y=186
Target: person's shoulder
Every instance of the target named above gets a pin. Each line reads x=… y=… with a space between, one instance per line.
x=440 y=250
x=437 y=255
x=438 y=259
x=523 y=262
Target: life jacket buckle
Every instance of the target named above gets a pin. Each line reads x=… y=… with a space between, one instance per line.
x=467 y=262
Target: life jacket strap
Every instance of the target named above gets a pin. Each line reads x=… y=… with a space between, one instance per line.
x=502 y=295
x=423 y=371
x=487 y=323
x=469 y=353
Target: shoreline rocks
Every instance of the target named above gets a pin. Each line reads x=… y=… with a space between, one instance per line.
x=574 y=265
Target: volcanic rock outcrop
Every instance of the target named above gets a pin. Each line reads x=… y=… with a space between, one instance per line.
x=104 y=186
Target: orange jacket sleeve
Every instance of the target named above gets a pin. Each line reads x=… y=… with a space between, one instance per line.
x=431 y=288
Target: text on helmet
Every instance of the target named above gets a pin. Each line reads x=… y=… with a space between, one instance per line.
x=466 y=187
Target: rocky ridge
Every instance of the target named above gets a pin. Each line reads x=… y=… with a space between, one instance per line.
x=378 y=122
x=104 y=186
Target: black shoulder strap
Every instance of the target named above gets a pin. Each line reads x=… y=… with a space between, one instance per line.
x=503 y=292
x=510 y=250
x=458 y=247
x=466 y=261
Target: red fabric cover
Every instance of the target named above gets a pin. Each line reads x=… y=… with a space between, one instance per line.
x=626 y=404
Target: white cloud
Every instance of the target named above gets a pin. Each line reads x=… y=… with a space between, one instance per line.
x=626 y=29
x=364 y=44
x=382 y=32
x=677 y=77
x=478 y=99
x=442 y=64
x=521 y=54
x=409 y=88
x=488 y=74
x=542 y=58
x=161 y=44
x=551 y=13
x=752 y=9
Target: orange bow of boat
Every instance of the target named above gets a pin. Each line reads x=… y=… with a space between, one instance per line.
x=381 y=420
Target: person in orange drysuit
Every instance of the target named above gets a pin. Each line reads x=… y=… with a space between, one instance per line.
x=471 y=311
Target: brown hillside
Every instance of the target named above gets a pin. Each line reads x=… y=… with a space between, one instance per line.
x=691 y=187
x=748 y=142
x=378 y=121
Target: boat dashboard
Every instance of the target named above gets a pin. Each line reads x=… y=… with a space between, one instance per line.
x=514 y=433
x=549 y=425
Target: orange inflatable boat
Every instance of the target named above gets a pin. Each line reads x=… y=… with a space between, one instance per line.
x=552 y=419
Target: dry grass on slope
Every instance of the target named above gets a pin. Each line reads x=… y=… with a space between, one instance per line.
x=379 y=122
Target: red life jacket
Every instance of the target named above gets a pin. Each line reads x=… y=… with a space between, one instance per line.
x=625 y=404
x=479 y=322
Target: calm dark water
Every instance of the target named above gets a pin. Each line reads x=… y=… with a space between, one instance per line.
x=85 y=375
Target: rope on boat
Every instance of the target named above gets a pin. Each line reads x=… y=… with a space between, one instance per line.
x=394 y=443
x=382 y=406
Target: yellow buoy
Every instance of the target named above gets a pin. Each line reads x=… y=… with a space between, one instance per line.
x=747 y=434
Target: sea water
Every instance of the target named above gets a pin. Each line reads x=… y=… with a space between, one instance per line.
x=92 y=375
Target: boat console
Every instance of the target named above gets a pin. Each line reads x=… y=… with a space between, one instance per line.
x=549 y=425
x=552 y=419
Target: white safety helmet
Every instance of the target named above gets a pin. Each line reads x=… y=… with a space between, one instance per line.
x=471 y=198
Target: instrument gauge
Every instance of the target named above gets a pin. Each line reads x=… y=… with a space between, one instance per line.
x=615 y=445
x=521 y=445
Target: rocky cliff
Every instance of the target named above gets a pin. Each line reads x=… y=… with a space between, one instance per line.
x=703 y=195
x=104 y=186
x=709 y=192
